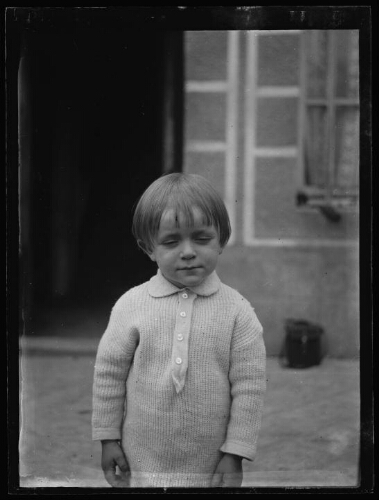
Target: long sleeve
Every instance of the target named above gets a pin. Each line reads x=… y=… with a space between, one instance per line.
x=247 y=375
x=114 y=356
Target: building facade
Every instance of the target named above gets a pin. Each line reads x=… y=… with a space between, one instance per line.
x=272 y=119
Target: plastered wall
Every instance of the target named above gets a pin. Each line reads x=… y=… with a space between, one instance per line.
x=243 y=131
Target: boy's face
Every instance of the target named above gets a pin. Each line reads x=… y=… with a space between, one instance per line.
x=186 y=255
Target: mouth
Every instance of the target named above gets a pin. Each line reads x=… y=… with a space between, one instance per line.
x=189 y=268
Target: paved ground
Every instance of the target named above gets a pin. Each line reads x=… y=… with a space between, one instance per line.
x=309 y=436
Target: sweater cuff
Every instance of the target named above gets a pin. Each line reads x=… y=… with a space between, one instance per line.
x=100 y=434
x=238 y=448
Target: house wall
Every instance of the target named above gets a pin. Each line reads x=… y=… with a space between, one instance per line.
x=243 y=131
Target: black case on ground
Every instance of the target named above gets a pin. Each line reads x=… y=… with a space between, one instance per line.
x=303 y=343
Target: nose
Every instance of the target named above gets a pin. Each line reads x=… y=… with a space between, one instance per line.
x=187 y=251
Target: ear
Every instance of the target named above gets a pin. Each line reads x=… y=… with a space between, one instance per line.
x=144 y=248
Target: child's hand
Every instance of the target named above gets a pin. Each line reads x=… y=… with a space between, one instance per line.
x=111 y=457
x=228 y=472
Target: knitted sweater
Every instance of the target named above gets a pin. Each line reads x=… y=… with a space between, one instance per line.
x=179 y=379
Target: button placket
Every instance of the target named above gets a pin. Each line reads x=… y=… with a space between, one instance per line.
x=181 y=339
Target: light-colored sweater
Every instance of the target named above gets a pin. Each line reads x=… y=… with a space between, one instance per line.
x=179 y=379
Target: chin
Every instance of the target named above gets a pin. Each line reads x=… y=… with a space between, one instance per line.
x=193 y=281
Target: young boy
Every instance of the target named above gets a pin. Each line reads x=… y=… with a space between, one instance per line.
x=180 y=370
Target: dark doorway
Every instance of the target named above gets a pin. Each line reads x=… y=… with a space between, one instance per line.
x=94 y=109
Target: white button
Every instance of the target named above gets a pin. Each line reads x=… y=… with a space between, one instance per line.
x=185 y=296
x=183 y=314
x=180 y=336
x=178 y=361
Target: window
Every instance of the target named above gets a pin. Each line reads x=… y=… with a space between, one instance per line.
x=331 y=118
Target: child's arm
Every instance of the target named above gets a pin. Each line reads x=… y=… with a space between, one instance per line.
x=248 y=383
x=114 y=356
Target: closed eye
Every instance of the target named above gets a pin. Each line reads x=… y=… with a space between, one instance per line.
x=170 y=242
x=203 y=239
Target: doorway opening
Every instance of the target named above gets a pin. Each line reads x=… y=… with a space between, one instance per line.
x=98 y=108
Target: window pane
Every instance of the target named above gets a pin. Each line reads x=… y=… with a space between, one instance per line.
x=347 y=148
x=206 y=55
x=316 y=147
x=316 y=46
x=347 y=59
x=278 y=60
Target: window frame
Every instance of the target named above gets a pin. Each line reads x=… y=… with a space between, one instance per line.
x=313 y=196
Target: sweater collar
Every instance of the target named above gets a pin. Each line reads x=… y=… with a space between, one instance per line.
x=159 y=286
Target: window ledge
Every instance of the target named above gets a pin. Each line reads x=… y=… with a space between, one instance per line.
x=331 y=207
